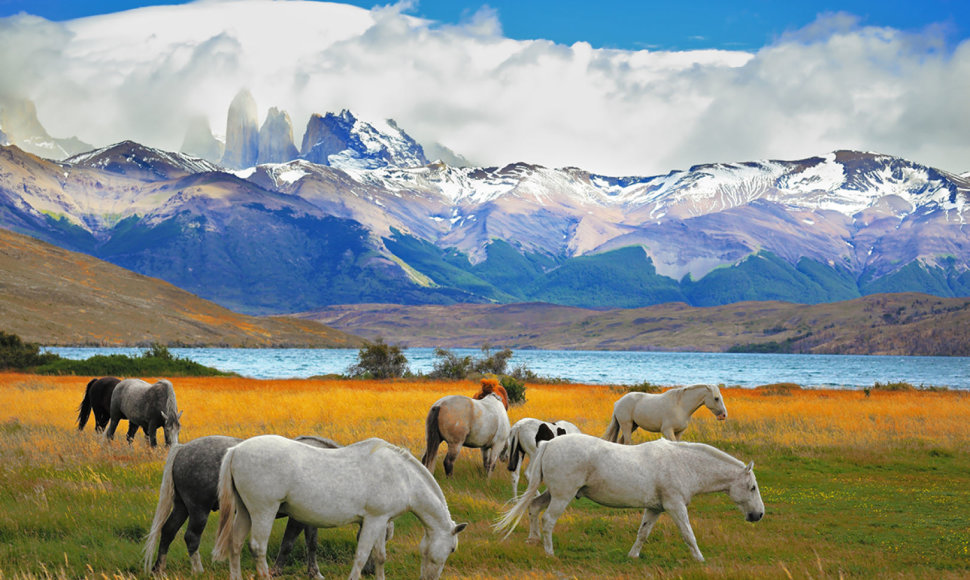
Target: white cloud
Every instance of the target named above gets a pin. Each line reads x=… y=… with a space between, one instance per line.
x=142 y=74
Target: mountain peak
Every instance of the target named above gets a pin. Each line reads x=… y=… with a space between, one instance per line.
x=345 y=141
x=141 y=162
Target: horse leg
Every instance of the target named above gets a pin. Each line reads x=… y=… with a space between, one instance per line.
x=557 y=505
x=198 y=517
x=370 y=544
x=489 y=459
x=646 y=525
x=112 y=427
x=262 y=527
x=454 y=448
x=290 y=534
x=240 y=529
x=515 y=479
x=668 y=432
x=310 y=537
x=169 y=529
x=626 y=432
x=132 y=431
x=538 y=504
x=678 y=511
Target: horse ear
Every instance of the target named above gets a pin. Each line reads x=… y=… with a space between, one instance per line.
x=180 y=415
x=749 y=467
x=458 y=528
x=164 y=416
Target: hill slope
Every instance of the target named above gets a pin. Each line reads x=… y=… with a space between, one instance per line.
x=897 y=324
x=55 y=297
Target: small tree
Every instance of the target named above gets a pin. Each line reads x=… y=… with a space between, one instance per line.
x=493 y=363
x=450 y=366
x=380 y=361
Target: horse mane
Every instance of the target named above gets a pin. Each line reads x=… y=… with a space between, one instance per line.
x=491 y=386
x=171 y=405
x=712 y=451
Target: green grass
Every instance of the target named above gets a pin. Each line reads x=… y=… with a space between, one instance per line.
x=74 y=512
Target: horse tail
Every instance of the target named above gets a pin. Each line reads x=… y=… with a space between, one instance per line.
x=516 y=453
x=227 y=507
x=434 y=438
x=166 y=500
x=613 y=431
x=511 y=518
x=84 y=410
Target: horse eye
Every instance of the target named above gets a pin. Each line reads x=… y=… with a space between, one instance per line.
x=754 y=487
x=717 y=398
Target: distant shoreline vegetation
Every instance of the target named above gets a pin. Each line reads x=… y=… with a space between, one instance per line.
x=156 y=360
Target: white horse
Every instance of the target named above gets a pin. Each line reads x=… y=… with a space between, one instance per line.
x=667 y=413
x=370 y=482
x=467 y=422
x=525 y=437
x=658 y=476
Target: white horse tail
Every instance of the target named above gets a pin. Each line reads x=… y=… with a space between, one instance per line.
x=166 y=497
x=227 y=508
x=613 y=431
x=511 y=518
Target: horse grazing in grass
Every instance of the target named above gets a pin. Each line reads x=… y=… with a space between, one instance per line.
x=481 y=422
x=97 y=400
x=189 y=491
x=658 y=476
x=370 y=483
x=667 y=413
x=525 y=436
x=146 y=406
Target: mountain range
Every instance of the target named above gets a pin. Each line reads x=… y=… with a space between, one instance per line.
x=358 y=214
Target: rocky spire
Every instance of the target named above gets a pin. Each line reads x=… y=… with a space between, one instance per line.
x=276 y=138
x=199 y=141
x=242 y=132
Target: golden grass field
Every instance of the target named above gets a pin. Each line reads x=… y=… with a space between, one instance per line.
x=854 y=485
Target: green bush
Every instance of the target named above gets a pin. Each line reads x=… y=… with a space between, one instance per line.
x=378 y=360
x=156 y=361
x=515 y=389
x=646 y=387
x=448 y=365
x=16 y=354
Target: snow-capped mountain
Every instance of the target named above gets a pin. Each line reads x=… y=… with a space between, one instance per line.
x=350 y=143
x=307 y=234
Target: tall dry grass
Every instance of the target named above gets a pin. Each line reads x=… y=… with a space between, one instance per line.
x=807 y=446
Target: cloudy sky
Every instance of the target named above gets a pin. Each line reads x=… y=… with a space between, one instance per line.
x=620 y=88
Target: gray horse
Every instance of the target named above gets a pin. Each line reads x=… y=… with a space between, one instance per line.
x=146 y=406
x=188 y=491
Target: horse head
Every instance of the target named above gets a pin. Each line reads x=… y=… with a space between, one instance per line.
x=746 y=494
x=436 y=545
x=172 y=426
x=715 y=402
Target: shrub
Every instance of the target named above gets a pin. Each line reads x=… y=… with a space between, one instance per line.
x=379 y=360
x=646 y=387
x=493 y=363
x=897 y=386
x=448 y=365
x=156 y=361
x=16 y=354
x=784 y=389
x=515 y=389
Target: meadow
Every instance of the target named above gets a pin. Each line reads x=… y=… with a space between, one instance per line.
x=854 y=485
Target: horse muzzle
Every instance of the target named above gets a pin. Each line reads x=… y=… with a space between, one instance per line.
x=722 y=417
x=755 y=516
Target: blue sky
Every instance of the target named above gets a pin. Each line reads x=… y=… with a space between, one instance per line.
x=663 y=25
x=621 y=88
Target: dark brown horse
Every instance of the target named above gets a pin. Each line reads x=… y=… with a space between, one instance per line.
x=97 y=399
x=481 y=422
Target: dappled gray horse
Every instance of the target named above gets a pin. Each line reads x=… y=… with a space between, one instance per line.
x=146 y=406
x=188 y=491
x=658 y=476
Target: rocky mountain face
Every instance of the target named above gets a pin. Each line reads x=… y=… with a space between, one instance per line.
x=377 y=223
